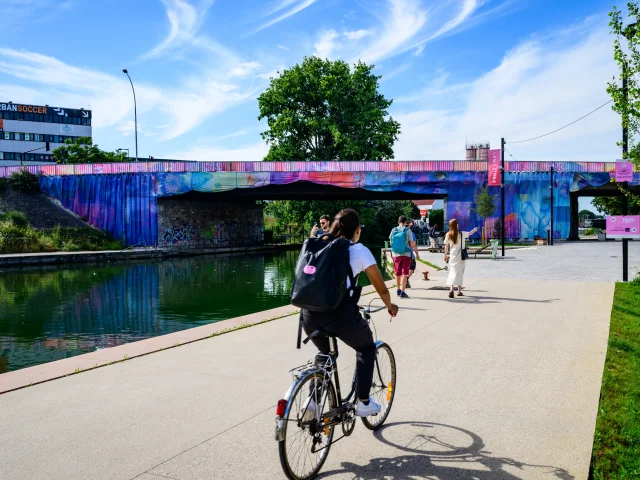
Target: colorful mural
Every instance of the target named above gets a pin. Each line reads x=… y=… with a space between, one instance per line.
x=125 y=204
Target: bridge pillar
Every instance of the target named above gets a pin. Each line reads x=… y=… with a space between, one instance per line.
x=194 y=221
x=574 y=217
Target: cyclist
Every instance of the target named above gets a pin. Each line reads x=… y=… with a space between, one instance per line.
x=346 y=323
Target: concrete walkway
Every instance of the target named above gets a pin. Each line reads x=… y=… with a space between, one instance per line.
x=500 y=384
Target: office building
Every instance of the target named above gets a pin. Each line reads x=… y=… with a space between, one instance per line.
x=25 y=129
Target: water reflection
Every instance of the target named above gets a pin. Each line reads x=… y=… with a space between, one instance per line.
x=51 y=314
x=46 y=316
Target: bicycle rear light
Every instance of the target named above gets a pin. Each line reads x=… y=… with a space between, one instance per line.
x=282 y=406
x=389 y=391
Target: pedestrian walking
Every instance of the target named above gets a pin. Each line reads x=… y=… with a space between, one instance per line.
x=402 y=244
x=432 y=236
x=454 y=247
x=412 y=266
x=325 y=224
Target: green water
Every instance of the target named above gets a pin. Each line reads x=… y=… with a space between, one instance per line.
x=51 y=314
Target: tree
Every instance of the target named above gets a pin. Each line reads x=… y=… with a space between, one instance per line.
x=485 y=206
x=613 y=205
x=586 y=214
x=377 y=216
x=436 y=217
x=626 y=102
x=323 y=110
x=83 y=150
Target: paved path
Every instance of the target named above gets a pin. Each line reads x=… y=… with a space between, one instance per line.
x=500 y=384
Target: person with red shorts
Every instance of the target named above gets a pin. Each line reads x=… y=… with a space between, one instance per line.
x=402 y=243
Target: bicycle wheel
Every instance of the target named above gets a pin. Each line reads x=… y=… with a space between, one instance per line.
x=383 y=389
x=306 y=442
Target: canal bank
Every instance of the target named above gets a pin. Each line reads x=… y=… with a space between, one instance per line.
x=16 y=260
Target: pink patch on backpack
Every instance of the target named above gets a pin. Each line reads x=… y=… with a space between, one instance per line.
x=309 y=269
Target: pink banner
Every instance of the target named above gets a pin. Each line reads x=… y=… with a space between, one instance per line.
x=624 y=171
x=623 y=226
x=495 y=179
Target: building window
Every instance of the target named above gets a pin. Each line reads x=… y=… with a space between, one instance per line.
x=17 y=136
x=27 y=137
x=7 y=136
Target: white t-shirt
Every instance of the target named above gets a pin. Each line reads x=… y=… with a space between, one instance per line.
x=360 y=258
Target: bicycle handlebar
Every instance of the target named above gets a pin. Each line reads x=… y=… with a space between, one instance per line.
x=369 y=310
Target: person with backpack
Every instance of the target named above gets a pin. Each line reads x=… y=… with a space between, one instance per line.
x=402 y=244
x=325 y=288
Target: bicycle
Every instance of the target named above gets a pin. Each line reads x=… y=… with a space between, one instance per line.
x=306 y=436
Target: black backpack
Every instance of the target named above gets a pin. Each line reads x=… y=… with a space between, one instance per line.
x=320 y=281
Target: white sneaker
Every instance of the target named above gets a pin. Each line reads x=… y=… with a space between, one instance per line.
x=372 y=408
x=311 y=410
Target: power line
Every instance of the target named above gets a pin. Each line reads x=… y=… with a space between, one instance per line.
x=514 y=158
x=568 y=125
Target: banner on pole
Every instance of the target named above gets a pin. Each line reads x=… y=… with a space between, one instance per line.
x=624 y=171
x=495 y=177
x=623 y=226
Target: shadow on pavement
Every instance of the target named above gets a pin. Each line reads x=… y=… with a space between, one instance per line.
x=486 y=299
x=443 y=452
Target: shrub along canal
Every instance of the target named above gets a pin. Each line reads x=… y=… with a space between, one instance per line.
x=52 y=314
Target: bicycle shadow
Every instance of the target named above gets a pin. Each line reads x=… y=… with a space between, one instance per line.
x=442 y=452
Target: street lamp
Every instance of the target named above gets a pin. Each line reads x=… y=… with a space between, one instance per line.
x=135 y=109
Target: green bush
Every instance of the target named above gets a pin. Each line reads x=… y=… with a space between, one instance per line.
x=15 y=218
x=24 y=181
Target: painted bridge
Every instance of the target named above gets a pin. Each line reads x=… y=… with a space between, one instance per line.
x=144 y=203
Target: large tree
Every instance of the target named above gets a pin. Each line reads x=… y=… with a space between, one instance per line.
x=83 y=150
x=613 y=205
x=324 y=110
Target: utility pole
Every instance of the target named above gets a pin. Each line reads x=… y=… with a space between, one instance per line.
x=135 y=109
x=502 y=192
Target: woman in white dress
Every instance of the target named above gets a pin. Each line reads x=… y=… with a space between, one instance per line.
x=453 y=244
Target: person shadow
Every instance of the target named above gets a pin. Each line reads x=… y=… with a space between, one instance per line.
x=443 y=452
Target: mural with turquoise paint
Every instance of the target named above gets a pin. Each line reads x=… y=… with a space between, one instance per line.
x=124 y=203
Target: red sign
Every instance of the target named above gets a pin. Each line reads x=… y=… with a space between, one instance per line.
x=624 y=171
x=495 y=178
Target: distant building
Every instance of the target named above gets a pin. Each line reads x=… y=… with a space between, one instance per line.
x=29 y=127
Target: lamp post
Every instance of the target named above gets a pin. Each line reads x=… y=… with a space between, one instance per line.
x=135 y=109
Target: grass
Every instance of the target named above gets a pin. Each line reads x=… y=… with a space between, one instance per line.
x=616 y=446
x=16 y=236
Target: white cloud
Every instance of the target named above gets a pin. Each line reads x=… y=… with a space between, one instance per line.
x=298 y=6
x=402 y=20
x=243 y=69
x=282 y=47
x=247 y=153
x=326 y=44
x=358 y=34
x=128 y=128
x=110 y=97
x=538 y=86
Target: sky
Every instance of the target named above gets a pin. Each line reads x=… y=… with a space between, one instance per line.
x=457 y=70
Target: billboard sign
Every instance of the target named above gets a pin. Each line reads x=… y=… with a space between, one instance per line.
x=44 y=110
x=623 y=226
x=495 y=177
x=624 y=171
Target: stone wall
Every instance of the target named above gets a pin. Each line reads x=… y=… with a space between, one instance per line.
x=203 y=223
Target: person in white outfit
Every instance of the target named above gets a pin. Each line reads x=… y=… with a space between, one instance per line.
x=454 y=242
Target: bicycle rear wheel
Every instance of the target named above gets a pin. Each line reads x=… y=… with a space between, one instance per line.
x=306 y=441
x=383 y=389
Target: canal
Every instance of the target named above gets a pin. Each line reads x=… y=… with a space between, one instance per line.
x=56 y=313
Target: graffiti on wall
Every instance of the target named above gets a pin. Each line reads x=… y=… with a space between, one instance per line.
x=176 y=235
x=223 y=234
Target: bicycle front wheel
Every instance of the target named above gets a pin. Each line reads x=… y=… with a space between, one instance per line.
x=383 y=388
x=306 y=439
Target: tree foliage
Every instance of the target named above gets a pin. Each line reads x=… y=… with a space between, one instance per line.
x=613 y=205
x=83 y=150
x=377 y=216
x=24 y=181
x=626 y=52
x=586 y=214
x=436 y=217
x=485 y=204
x=323 y=110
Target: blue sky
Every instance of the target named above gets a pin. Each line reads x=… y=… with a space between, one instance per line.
x=456 y=69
